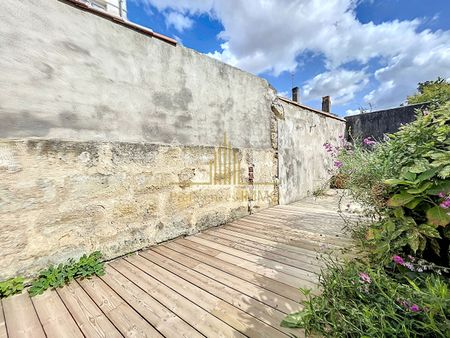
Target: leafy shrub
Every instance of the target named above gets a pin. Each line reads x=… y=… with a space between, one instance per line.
x=363 y=301
x=11 y=287
x=57 y=276
x=406 y=180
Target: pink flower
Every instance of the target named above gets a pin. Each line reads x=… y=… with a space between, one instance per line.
x=415 y=308
x=338 y=164
x=445 y=204
x=441 y=194
x=398 y=260
x=368 y=141
x=365 y=278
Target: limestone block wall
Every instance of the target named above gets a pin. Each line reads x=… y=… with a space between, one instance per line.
x=60 y=199
x=303 y=163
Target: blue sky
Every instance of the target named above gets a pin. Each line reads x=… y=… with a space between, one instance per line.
x=365 y=53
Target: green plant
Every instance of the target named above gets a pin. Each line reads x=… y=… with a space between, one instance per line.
x=363 y=301
x=436 y=91
x=11 y=287
x=57 y=276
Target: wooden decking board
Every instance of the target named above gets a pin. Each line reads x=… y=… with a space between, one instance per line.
x=21 y=317
x=268 y=222
x=259 y=260
x=263 y=249
x=190 y=312
x=236 y=280
x=3 y=333
x=260 y=311
x=265 y=296
x=164 y=320
x=90 y=319
x=297 y=263
x=283 y=289
x=124 y=317
x=231 y=315
x=54 y=317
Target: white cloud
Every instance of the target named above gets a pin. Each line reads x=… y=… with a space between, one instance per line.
x=340 y=84
x=268 y=35
x=179 y=21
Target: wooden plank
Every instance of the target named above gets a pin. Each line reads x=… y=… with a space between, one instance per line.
x=263 y=295
x=262 y=249
x=258 y=260
x=124 y=318
x=3 y=333
x=262 y=269
x=193 y=314
x=271 y=242
x=55 y=319
x=164 y=320
x=189 y=249
x=297 y=262
x=293 y=227
x=21 y=318
x=260 y=311
x=90 y=319
x=231 y=315
x=302 y=243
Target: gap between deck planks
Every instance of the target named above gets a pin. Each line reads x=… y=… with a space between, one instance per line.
x=236 y=280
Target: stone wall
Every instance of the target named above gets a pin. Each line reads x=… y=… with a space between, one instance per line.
x=303 y=163
x=379 y=123
x=60 y=199
x=106 y=135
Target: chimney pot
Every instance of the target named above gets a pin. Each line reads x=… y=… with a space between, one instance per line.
x=295 y=95
x=326 y=104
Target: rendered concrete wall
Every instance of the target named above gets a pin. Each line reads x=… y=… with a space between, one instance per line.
x=102 y=129
x=303 y=164
x=69 y=74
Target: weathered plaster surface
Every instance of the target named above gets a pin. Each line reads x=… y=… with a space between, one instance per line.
x=69 y=74
x=61 y=199
x=303 y=163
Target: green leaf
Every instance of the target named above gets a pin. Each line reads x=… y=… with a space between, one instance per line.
x=408 y=175
x=411 y=205
x=293 y=320
x=401 y=199
x=438 y=216
x=395 y=181
x=441 y=186
x=424 y=186
x=413 y=240
x=445 y=172
x=428 y=231
x=427 y=174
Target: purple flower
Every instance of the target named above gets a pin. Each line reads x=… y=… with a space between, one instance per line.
x=409 y=266
x=364 y=278
x=368 y=141
x=398 y=260
x=415 y=308
x=338 y=164
x=441 y=194
x=445 y=204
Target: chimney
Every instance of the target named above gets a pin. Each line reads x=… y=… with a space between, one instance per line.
x=326 y=104
x=295 y=95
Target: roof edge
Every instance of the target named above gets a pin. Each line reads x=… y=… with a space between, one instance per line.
x=310 y=109
x=120 y=21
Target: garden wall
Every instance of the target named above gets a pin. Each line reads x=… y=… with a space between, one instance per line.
x=303 y=164
x=107 y=134
x=114 y=140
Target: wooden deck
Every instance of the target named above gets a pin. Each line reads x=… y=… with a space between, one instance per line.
x=236 y=280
